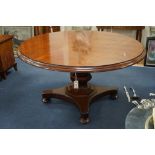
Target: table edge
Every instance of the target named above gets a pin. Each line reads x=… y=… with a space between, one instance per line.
x=65 y=68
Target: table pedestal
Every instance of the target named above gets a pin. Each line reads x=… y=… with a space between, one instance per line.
x=81 y=97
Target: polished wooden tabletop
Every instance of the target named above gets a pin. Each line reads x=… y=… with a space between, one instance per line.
x=81 y=51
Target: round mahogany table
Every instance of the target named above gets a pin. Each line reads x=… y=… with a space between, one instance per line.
x=80 y=53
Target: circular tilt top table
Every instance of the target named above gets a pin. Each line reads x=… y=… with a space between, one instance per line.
x=80 y=53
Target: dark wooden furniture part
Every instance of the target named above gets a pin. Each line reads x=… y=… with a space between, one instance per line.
x=7 y=59
x=45 y=29
x=80 y=53
x=137 y=28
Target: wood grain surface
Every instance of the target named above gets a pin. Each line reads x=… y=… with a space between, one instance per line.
x=81 y=51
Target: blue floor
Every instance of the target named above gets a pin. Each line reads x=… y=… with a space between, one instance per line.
x=21 y=106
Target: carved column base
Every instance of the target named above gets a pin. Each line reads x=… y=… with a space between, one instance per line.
x=81 y=97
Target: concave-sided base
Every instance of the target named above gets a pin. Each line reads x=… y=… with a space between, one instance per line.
x=81 y=97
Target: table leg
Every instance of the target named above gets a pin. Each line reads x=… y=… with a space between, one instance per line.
x=3 y=75
x=15 y=67
x=81 y=97
x=139 y=35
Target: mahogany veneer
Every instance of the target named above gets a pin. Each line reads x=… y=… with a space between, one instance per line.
x=80 y=53
x=7 y=59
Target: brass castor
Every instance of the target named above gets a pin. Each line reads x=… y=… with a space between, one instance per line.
x=45 y=100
